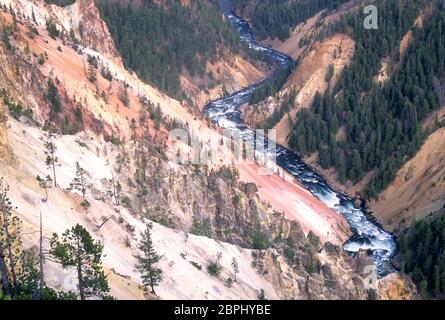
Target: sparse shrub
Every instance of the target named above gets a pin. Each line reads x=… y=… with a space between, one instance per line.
x=53 y=97
x=126 y=202
x=41 y=60
x=129 y=228
x=52 y=29
x=127 y=242
x=15 y=109
x=81 y=143
x=92 y=61
x=115 y=140
x=214 y=269
x=259 y=239
x=124 y=97
x=91 y=74
x=130 y=183
x=288 y=253
x=310 y=265
x=105 y=72
x=201 y=228
x=85 y=204
x=196 y=265
x=261 y=295
x=165 y=221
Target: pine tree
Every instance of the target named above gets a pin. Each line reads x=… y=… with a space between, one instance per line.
x=45 y=183
x=53 y=97
x=77 y=248
x=436 y=278
x=423 y=289
x=28 y=278
x=19 y=277
x=30 y=281
x=9 y=233
x=235 y=267
x=261 y=295
x=6 y=286
x=5 y=38
x=123 y=95
x=80 y=182
x=157 y=117
x=41 y=258
x=51 y=27
x=147 y=260
x=14 y=16
x=91 y=74
x=116 y=189
x=330 y=73
x=33 y=16
x=51 y=157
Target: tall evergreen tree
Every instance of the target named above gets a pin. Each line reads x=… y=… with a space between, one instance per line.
x=9 y=233
x=51 y=157
x=80 y=182
x=235 y=267
x=45 y=184
x=53 y=97
x=146 y=261
x=77 y=248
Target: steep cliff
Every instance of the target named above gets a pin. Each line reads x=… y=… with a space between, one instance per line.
x=229 y=74
x=110 y=123
x=328 y=57
x=81 y=20
x=418 y=189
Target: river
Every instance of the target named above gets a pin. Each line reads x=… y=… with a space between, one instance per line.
x=366 y=234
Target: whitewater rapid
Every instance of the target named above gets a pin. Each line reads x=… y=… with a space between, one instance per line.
x=366 y=234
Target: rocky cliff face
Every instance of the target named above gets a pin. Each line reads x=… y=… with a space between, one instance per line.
x=84 y=19
x=316 y=61
x=418 y=189
x=81 y=20
x=329 y=275
x=6 y=154
x=228 y=75
x=199 y=211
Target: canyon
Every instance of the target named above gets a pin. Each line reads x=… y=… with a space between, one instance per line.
x=278 y=207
